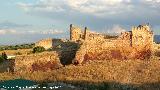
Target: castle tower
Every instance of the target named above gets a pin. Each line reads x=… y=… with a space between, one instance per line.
x=70 y=31
x=86 y=33
x=75 y=33
x=142 y=36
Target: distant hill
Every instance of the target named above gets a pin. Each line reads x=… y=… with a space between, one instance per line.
x=157 y=38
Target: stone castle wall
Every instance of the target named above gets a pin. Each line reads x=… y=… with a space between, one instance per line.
x=46 y=43
x=142 y=36
x=75 y=33
x=34 y=62
x=135 y=44
x=49 y=43
x=62 y=53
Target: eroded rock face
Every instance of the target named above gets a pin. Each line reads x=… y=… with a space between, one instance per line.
x=42 y=61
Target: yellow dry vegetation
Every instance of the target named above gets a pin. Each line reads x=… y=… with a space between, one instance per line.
x=118 y=72
x=15 y=52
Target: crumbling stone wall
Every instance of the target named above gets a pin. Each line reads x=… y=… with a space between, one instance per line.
x=46 y=43
x=76 y=34
x=63 y=53
x=49 y=43
x=34 y=62
x=142 y=37
x=135 y=44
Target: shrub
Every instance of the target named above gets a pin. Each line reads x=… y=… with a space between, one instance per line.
x=1 y=59
x=110 y=36
x=59 y=46
x=4 y=56
x=18 y=53
x=50 y=49
x=38 y=49
x=15 y=47
x=157 y=53
x=30 y=52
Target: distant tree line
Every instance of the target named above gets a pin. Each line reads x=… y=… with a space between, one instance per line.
x=15 y=47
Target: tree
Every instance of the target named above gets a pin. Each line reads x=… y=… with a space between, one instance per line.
x=18 y=53
x=1 y=59
x=4 y=56
x=38 y=49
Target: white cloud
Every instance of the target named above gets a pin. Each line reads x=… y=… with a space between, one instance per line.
x=116 y=29
x=2 y=31
x=8 y=24
x=97 y=13
x=52 y=32
x=94 y=7
x=8 y=31
x=46 y=32
x=84 y=6
x=97 y=7
x=24 y=6
x=44 y=5
x=153 y=1
x=12 y=31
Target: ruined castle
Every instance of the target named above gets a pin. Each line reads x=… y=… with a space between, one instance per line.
x=76 y=34
x=138 y=36
x=87 y=45
x=137 y=44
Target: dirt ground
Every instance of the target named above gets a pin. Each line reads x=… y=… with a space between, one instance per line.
x=100 y=75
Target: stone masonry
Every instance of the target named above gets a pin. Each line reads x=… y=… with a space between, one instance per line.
x=34 y=62
x=76 y=34
x=46 y=43
x=49 y=43
x=86 y=45
x=135 y=44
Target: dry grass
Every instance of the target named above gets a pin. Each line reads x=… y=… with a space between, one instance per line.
x=101 y=74
x=134 y=72
x=14 y=52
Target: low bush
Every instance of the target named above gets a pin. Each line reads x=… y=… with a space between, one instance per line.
x=1 y=59
x=4 y=56
x=157 y=53
x=16 y=47
x=110 y=36
x=38 y=49
x=18 y=53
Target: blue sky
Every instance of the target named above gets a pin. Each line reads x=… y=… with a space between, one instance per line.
x=23 y=21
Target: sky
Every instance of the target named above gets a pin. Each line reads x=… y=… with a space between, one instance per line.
x=25 y=21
